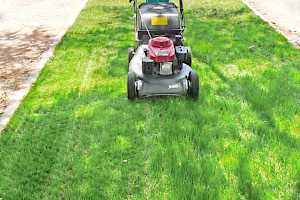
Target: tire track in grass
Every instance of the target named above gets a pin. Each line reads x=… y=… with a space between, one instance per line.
x=90 y=67
x=216 y=179
x=150 y=141
x=245 y=180
x=262 y=113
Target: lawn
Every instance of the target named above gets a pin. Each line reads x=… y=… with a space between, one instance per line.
x=76 y=136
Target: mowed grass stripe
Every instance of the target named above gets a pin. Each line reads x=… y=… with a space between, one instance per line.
x=77 y=137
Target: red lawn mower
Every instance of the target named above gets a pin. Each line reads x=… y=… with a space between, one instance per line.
x=160 y=65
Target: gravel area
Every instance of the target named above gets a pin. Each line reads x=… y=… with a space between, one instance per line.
x=29 y=29
x=283 y=15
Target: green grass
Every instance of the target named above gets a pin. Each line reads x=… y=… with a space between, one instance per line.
x=76 y=136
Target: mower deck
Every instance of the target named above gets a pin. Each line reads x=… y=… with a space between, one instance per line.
x=175 y=85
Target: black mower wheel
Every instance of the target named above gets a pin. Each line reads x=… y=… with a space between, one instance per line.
x=194 y=85
x=131 y=88
x=189 y=57
x=130 y=54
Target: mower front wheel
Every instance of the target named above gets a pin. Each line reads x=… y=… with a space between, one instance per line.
x=194 y=85
x=131 y=87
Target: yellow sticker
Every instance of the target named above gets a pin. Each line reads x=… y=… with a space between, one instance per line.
x=159 y=21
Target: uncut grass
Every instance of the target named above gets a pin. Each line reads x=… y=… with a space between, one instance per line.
x=76 y=136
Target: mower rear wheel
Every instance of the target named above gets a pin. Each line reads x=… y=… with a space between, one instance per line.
x=194 y=85
x=130 y=54
x=131 y=88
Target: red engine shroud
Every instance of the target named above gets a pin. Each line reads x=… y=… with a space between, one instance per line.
x=161 y=49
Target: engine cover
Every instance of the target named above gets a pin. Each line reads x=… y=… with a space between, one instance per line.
x=161 y=50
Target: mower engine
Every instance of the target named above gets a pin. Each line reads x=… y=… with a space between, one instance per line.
x=162 y=58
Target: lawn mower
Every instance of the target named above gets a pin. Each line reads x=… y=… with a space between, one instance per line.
x=160 y=65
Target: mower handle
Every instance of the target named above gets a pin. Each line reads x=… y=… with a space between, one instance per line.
x=180 y=8
x=180 y=5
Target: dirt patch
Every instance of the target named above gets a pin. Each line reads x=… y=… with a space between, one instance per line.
x=19 y=52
